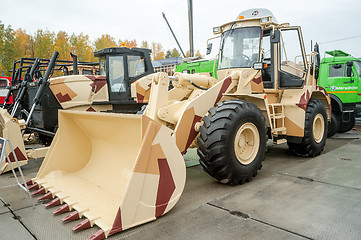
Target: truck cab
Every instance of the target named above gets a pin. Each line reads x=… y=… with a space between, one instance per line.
x=340 y=76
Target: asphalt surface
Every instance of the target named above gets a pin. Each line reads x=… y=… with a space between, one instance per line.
x=291 y=198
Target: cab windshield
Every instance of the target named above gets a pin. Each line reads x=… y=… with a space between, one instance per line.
x=240 y=47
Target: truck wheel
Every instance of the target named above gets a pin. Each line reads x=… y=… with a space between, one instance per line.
x=315 y=132
x=333 y=126
x=232 y=141
x=347 y=126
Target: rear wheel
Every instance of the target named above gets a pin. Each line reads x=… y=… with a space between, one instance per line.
x=333 y=126
x=232 y=142
x=315 y=131
x=347 y=126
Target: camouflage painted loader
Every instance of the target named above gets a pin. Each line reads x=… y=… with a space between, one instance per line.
x=121 y=170
x=110 y=91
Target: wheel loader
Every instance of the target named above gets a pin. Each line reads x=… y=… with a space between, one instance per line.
x=37 y=103
x=119 y=170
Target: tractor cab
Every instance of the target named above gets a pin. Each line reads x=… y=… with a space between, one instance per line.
x=123 y=66
x=256 y=41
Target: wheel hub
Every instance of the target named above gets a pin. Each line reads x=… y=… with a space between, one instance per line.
x=318 y=128
x=246 y=143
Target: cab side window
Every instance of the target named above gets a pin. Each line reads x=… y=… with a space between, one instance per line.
x=336 y=70
x=291 y=55
x=136 y=66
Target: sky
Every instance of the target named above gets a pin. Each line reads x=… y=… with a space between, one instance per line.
x=321 y=20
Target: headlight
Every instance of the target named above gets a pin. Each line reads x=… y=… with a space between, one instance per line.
x=216 y=30
x=265 y=19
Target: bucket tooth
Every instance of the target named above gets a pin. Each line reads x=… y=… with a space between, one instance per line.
x=53 y=203
x=81 y=226
x=34 y=187
x=98 y=235
x=63 y=209
x=46 y=196
x=71 y=217
x=28 y=183
x=39 y=191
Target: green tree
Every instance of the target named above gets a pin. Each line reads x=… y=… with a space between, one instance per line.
x=7 y=48
x=168 y=54
x=44 y=43
x=175 y=53
x=104 y=41
x=62 y=45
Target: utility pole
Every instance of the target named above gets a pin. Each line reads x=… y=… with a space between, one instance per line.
x=190 y=20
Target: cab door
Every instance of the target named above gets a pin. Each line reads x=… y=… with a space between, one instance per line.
x=341 y=81
x=116 y=74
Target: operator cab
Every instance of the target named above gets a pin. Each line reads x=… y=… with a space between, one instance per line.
x=122 y=66
x=256 y=39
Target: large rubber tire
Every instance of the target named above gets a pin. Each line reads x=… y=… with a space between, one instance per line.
x=219 y=156
x=333 y=126
x=315 y=132
x=347 y=126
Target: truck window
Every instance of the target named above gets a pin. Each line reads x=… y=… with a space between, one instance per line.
x=357 y=65
x=336 y=70
x=136 y=65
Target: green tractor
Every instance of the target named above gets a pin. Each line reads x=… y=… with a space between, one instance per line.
x=340 y=76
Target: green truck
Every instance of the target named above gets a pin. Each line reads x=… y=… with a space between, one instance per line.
x=340 y=76
x=198 y=66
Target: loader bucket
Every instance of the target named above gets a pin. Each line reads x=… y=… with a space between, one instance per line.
x=10 y=129
x=116 y=170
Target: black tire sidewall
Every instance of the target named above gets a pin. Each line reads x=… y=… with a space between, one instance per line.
x=333 y=126
x=319 y=108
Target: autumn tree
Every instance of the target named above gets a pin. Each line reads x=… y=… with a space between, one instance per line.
x=157 y=51
x=62 y=45
x=198 y=54
x=104 y=41
x=43 y=43
x=23 y=43
x=145 y=44
x=127 y=43
x=81 y=46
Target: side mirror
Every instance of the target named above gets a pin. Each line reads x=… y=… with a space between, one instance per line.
x=275 y=36
x=259 y=66
x=349 y=69
x=209 y=48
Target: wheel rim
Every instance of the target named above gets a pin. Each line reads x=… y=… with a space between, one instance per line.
x=318 y=128
x=246 y=143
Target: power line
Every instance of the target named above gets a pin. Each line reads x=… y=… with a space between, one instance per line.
x=341 y=39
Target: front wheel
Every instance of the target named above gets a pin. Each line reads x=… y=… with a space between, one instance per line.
x=232 y=141
x=315 y=132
